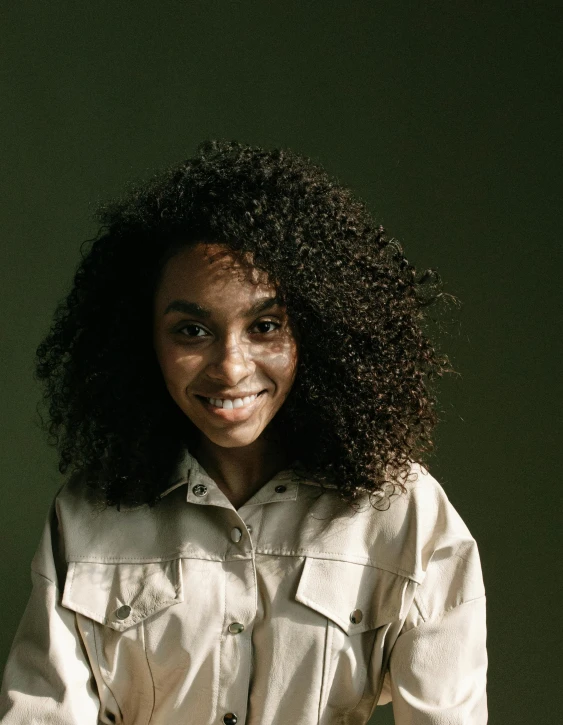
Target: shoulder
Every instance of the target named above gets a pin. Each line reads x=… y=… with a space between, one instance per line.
x=443 y=549
x=93 y=531
x=433 y=522
x=406 y=532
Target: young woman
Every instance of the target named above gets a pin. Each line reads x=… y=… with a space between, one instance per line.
x=239 y=388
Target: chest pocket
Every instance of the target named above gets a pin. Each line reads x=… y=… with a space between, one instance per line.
x=358 y=602
x=120 y=596
x=112 y=602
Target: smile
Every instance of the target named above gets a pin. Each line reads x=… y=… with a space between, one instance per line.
x=229 y=404
x=232 y=409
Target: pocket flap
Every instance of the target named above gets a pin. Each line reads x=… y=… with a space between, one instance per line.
x=338 y=589
x=121 y=595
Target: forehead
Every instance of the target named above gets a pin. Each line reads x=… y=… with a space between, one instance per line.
x=214 y=272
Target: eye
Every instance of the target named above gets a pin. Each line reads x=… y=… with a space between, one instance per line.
x=263 y=323
x=192 y=330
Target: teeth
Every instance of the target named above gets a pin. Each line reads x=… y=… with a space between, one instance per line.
x=230 y=404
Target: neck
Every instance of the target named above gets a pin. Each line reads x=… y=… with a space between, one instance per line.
x=240 y=472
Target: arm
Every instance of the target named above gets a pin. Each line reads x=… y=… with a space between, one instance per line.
x=48 y=680
x=438 y=669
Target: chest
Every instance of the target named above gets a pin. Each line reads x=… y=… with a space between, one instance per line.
x=236 y=636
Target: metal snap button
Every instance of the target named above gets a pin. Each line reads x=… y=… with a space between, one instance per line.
x=199 y=490
x=356 y=616
x=230 y=718
x=236 y=627
x=280 y=489
x=236 y=535
x=123 y=612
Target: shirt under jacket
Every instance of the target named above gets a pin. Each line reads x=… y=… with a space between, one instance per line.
x=293 y=609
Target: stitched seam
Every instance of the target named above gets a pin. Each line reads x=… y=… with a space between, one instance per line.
x=46 y=578
x=258 y=533
x=356 y=560
x=221 y=639
x=365 y=668
x=106 y=621
x=103 y=671
x=424 y=611
x=325 y=675
x=419 y=604
x=384 y=669
x=143 y=630
x=362 y=561
x=71 y=582
x=465 y=601
x=449 y=609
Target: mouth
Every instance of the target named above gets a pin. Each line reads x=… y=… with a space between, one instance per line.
x=235 y=410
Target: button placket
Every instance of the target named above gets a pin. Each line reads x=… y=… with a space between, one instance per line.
x=236 y=652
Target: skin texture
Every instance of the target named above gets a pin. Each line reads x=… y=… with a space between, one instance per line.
x=232 y=352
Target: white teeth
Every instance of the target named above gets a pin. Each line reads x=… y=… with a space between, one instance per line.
x=230 y=404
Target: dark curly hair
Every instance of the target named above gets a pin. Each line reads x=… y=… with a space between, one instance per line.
x=361 y=410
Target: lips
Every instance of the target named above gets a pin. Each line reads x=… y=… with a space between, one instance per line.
x=229 y=402
x=232 y=414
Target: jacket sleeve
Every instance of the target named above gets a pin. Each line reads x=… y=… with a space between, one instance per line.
x=438 y=669
x=47 y=679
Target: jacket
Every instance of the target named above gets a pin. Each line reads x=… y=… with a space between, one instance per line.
x=294 y=609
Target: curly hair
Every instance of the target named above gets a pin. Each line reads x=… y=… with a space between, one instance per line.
x=362 y=408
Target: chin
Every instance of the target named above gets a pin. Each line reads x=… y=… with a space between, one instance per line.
x=231 y=441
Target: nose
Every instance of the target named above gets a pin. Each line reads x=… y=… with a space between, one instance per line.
x=231 y=363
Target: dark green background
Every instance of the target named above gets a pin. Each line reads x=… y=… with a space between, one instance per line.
x=444 y=116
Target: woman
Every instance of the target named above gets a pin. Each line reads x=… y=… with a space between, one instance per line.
x=239 y=386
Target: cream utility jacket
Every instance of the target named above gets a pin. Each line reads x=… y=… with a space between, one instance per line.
x=292 y=610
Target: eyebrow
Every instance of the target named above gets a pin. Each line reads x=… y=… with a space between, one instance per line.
x=192 y=308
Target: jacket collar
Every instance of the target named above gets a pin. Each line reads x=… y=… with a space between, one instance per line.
x=188 y=471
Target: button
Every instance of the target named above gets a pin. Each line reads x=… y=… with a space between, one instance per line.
x=123 y=612
x=236 y=627
x=230 y=718
x=236 y=535
x=200 y=490
x=356 y=616
x=280 y=489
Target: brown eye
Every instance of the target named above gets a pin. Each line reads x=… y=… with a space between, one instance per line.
x=192 y=330
x=265 y=323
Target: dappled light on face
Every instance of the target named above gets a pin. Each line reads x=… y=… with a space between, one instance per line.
x=222 y=334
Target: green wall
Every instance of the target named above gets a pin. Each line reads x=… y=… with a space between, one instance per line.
x=444 y=116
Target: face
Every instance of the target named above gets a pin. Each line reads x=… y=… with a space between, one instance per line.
x=224 y=344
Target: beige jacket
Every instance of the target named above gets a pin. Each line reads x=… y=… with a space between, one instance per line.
x=291 y=610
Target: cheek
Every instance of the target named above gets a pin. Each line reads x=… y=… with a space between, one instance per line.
x=177 y=367
x=280 y=360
